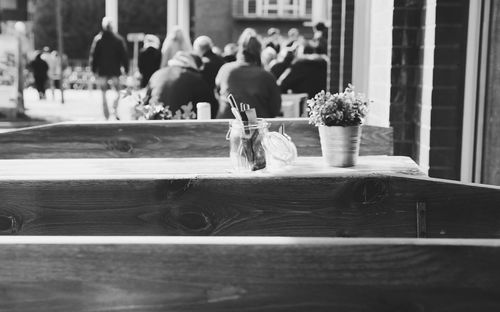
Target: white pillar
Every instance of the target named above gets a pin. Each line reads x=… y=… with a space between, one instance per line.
x=320 y=11
x=112 y=12
x=183 y=16
x=361 y=44
x=171 y=14
x=372 y=56
x=425 y=96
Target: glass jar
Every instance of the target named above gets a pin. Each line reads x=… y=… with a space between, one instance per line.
x=245 y=145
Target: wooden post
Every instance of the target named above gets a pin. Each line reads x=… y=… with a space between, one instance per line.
x=60 y=46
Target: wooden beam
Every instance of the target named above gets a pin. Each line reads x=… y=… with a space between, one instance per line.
x=135 y=197
x=261 y=274
x=157 y=200
x=162 y=139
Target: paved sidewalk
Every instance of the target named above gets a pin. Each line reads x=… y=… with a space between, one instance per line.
x=80 y=105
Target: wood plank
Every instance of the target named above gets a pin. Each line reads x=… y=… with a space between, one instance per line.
x=353 y=204
x=111 y=168
x=273 y=206
x=161 y=139
x=453 y=209
x=267 y=274
x=197 y=196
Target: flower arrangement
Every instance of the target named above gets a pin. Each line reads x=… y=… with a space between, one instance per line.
x=144 y=109
x=340 y=109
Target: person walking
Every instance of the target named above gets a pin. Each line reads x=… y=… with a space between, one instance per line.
x=40 y=69
x=108 y=56
x=149 y=58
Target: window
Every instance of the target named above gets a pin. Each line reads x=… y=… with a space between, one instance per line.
x=273 y=8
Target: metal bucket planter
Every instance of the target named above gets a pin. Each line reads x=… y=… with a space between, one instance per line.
x=340 y=145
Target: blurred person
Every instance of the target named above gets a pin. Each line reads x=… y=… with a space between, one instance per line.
x=319 y=43
x=149 y=58
x=293 y=37
x=108 y=56
x=248 y=81
x=47 y=57
x=273 y=39
x=175 y=41
x=40 y=69
x=283 y=61
x=217 y=51
x=268 y=56
x=306 y=74
x=245 y=35
x=179 y=83
x=55 y=71
x=212 y=62
x=229 y=54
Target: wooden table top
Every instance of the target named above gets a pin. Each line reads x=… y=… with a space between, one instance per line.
x=158 y=168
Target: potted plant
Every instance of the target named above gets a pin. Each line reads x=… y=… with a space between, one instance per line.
x=339 y=118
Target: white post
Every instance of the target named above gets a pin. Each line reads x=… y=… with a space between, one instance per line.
x=474 y=92
x=372 y=56
x=424 y=130
x=361 y=45
x=320 y=11
x=183 y=16
x=112 y=12
x=171 y=14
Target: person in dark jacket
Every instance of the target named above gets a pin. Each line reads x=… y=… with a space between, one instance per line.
x=211 y=63
x=40 y=69
x=283 y=62
x=108 y=56
x=179 y=84
x=307 y=74
x=248 y=81
x=320 y=40
x=149 y=58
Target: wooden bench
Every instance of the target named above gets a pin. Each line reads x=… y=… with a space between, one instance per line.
x=161 y=139
x=381 y=197
x=247 y=274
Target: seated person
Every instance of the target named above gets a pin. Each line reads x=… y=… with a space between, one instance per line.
x=307 y=74
x=179 y=84
x=248 y=81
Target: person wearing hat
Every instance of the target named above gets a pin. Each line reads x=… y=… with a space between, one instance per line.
x=247 y=81
x=149 y=58
x=179 y=83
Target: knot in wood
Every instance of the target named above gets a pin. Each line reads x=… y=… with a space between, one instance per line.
x=370 y=191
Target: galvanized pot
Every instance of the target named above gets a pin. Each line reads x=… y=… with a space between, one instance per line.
x=340 y=145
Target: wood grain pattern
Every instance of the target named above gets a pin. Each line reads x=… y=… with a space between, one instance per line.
x=161 y=139
x=148 y=168
x=348 y=205
x=298 y=275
